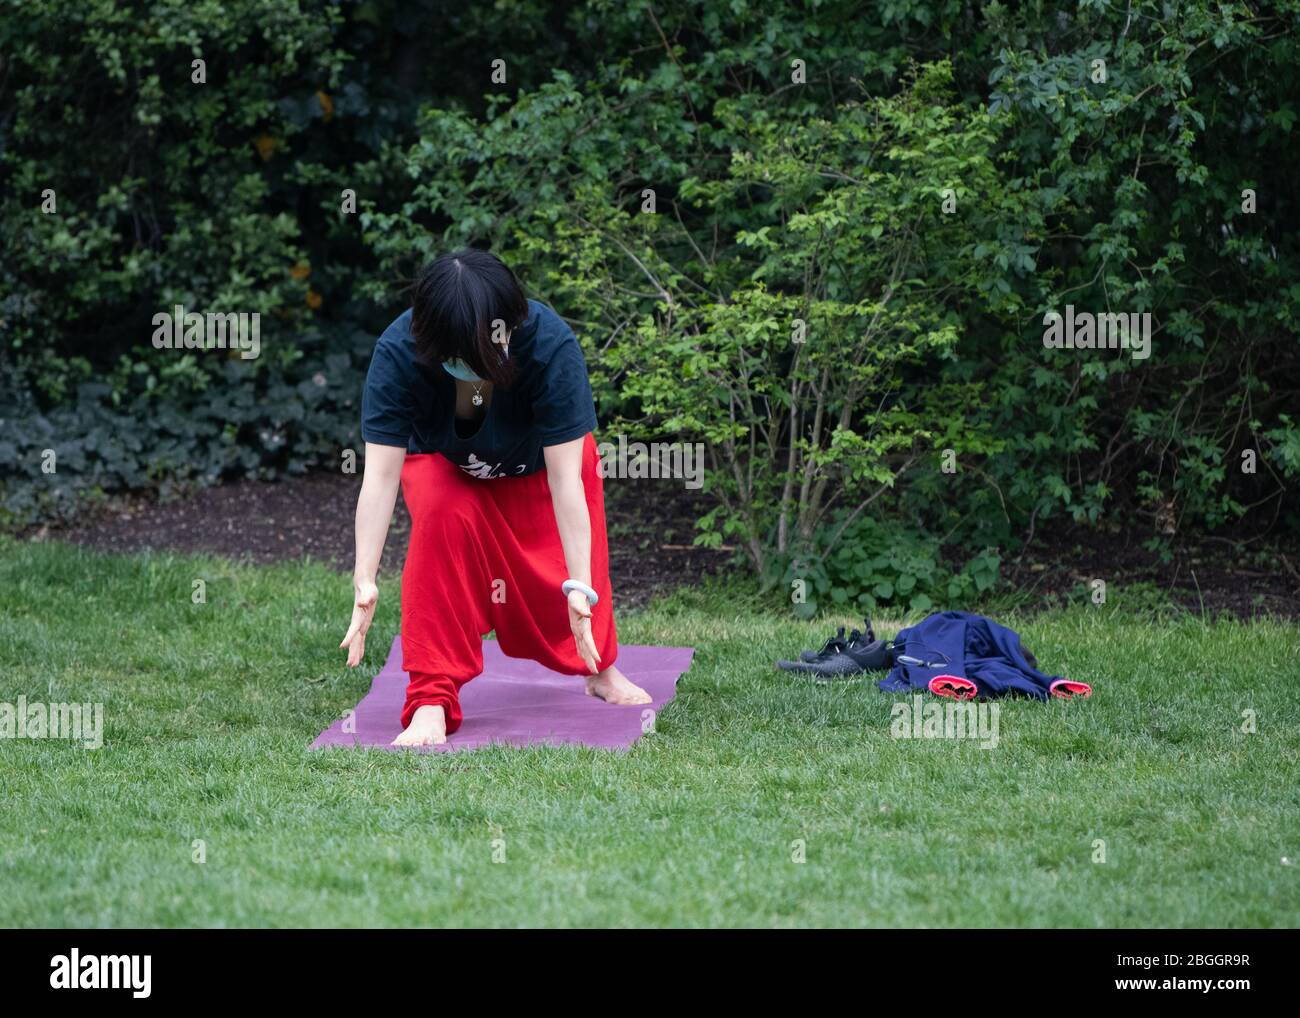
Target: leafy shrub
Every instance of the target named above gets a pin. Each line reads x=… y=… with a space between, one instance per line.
x=118 y=434
x=884 y=564
x=775 y=201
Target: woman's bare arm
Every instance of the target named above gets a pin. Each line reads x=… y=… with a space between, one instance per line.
x=379 y=483
x=569 y=499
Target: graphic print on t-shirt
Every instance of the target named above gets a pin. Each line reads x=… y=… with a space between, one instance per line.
x=475 y=467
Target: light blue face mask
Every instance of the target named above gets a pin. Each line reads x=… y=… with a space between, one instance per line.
x=460 y=370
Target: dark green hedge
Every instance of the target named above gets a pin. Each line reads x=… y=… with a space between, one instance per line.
x=1117 y=194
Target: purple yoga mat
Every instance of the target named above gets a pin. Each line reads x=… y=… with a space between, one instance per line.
x=520 y=703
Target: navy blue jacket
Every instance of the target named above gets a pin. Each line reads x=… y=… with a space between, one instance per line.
x=970 y=647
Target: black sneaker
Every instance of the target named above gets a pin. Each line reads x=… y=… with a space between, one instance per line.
x=854 y=659
x=833 y=645
x=837 y=643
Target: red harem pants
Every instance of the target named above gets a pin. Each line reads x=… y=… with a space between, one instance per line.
x=484 y=555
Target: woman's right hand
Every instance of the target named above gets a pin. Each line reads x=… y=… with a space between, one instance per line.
x=363 y=613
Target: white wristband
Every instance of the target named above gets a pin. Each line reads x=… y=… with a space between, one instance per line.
x=569 y=586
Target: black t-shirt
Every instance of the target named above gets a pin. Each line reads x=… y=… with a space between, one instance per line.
x=412 y=404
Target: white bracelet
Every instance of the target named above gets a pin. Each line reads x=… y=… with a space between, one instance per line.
x=569 y=586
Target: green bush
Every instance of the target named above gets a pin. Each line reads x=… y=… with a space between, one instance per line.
x=883 y=564
x=775 y=200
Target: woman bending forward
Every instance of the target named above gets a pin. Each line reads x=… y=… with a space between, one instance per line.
x=477 y=402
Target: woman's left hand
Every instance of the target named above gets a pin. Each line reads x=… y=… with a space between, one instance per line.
x=580 y=623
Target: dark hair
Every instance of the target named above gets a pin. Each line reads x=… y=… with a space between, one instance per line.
x=456 y=299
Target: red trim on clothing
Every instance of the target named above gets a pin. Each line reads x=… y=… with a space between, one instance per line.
x=1068 y=689
x=953 y=686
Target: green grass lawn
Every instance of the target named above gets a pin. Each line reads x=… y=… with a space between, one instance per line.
x=209 y=710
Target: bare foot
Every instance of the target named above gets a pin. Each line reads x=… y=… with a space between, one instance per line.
x=613 y=686
x=428 y=727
